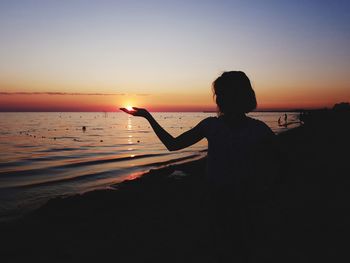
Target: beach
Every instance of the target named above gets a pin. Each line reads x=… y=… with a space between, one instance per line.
x=162 y=216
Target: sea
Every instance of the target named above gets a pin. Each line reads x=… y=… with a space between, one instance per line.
x=47 y=155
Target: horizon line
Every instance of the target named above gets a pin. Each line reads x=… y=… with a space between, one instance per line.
x=200 y=111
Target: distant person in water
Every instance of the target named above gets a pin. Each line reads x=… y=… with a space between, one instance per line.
x=234 y=140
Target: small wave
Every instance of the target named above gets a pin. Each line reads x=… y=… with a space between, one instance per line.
x=27 y=146
x=13 y=164
x=53 y=158
x=46 y=170
x=71 y=179
x=58 y=150
x=102 y=161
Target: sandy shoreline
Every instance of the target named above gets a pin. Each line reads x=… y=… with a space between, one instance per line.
x=162 y=215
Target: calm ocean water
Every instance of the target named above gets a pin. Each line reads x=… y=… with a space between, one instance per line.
x=45 y=155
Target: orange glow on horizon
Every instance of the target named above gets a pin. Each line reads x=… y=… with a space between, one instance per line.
x=274 y=99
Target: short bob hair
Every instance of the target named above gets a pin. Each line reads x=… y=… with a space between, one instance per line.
x=234 y=94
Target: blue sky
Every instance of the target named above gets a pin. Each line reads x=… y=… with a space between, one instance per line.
x=285 y=47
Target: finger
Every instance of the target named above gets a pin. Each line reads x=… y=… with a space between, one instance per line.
x=135 y=108
x=127 y=111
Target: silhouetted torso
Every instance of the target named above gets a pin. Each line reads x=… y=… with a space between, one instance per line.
x=231 y=147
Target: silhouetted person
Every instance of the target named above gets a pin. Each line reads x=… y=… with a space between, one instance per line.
x=285 y=123
x=233 y=139
x=301 y=117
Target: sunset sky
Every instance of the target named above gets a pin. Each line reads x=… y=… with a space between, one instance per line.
x=101 y=55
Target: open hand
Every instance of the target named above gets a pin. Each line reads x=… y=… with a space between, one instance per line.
x=136 y=112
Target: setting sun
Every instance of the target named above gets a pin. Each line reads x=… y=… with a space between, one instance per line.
x=129 y=108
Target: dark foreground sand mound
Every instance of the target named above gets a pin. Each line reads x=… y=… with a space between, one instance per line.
x=163 y=216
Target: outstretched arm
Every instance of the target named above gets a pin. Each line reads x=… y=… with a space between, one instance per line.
x=172 y=144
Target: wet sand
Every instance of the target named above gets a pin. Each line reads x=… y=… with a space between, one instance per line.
x=163 y=216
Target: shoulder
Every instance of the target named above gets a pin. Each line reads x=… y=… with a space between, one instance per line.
x=209 y=120
x=208 y=124
x=260 y=126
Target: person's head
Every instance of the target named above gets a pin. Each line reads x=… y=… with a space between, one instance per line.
x=234 y=94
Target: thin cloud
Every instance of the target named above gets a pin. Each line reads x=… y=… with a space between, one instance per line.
x=61 y=93
x=143 y=94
